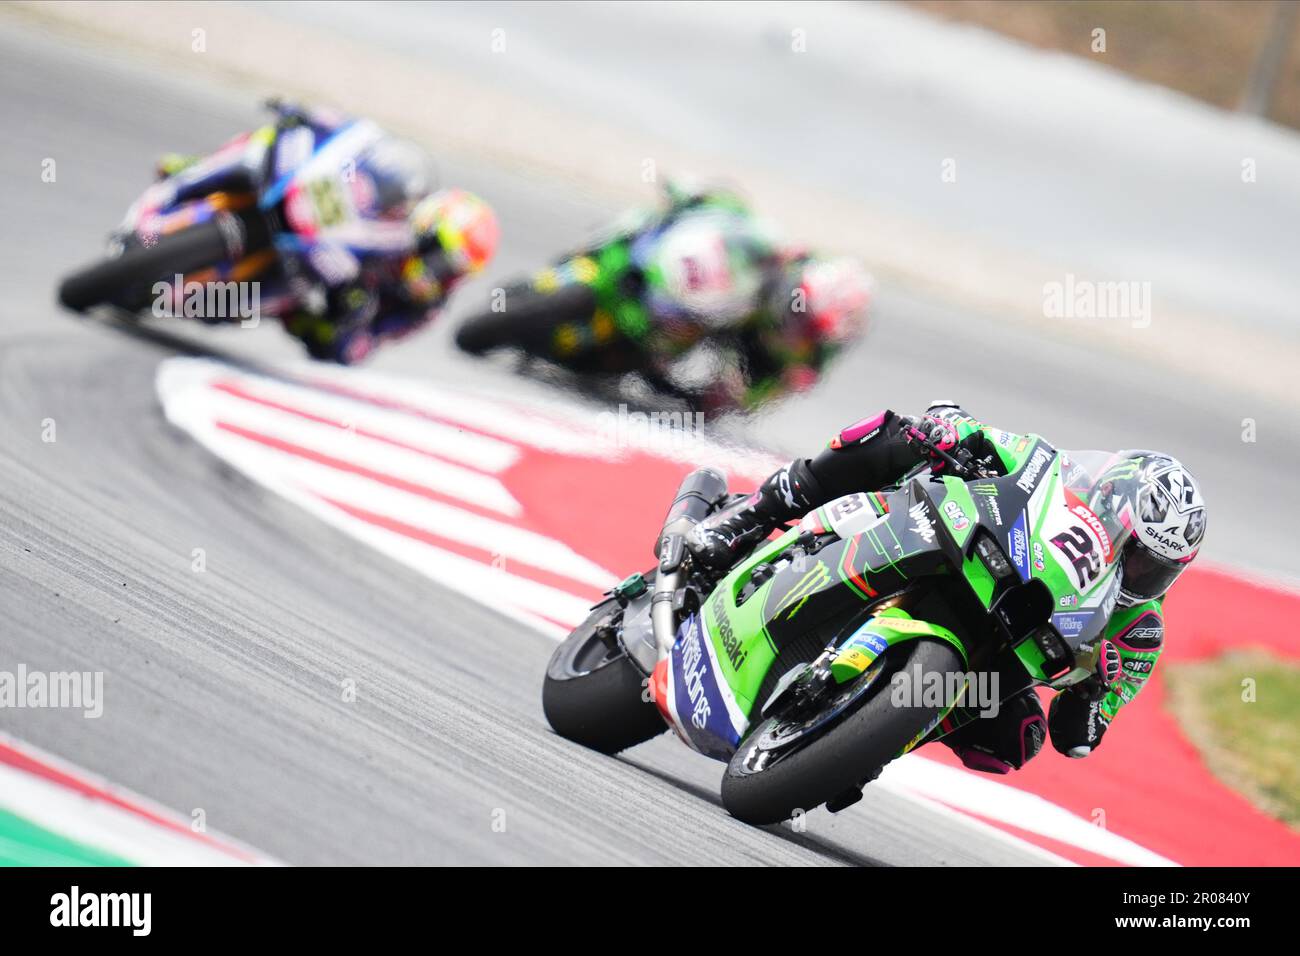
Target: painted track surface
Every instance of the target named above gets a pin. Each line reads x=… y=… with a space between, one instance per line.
x=224 y=688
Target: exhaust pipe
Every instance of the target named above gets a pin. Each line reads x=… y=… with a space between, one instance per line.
x=699 y=492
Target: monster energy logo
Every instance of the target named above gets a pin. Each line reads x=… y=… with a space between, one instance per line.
x=803 y=590
x=990 y=495
x=730 y=646
x=1124 y=469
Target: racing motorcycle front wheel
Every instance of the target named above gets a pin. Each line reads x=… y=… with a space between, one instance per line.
x=799 y=760
x=593 y=694
x=127 y=280
x=530 y=321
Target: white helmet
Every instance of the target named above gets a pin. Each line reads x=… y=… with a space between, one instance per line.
x=1168 y=515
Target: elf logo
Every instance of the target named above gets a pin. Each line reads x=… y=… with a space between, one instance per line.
x=75 y=908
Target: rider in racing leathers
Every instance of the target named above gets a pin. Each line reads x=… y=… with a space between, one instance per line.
x=775 y=314
x=371 y=252
x=1168 y=524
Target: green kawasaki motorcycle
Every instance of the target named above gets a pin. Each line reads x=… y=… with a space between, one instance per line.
x=635 y=301
x=853 y=637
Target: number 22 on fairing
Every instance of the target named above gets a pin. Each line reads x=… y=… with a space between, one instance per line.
x=1078 y=542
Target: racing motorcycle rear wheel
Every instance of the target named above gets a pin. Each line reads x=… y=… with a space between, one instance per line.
x=788 y=763
x=593 y=694
x=126 y=281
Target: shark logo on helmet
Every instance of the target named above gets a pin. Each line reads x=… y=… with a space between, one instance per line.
x=1171 y=510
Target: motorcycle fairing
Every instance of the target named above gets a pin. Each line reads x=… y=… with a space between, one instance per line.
x=746 y=626
x=882 y=631
x=1061 y=522
x=703 y=710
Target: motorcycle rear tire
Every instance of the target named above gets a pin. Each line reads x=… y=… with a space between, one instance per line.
x=594 y=697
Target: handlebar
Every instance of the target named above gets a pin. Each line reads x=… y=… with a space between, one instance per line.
x=967 y=468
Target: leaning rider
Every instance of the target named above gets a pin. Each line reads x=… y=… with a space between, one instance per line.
x=1167 y=526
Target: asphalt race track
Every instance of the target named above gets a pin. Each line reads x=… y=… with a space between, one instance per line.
x=224 y=688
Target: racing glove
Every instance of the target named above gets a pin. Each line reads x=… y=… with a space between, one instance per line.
x=1076 y=723
x=1076 y=720
x=935 y=431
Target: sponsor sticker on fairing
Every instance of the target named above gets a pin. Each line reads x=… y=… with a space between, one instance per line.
x=1033 y=468
x=1085 y=514
x=1019 y=540
x=852 y=514
x=867 y=640
x=731 y=645
x=698 y=703
x=1071 y=625
x=922 y=525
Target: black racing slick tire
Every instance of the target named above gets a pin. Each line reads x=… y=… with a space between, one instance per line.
x=594 y=695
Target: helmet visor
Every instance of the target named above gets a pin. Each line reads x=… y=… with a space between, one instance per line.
x=1147 y=575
